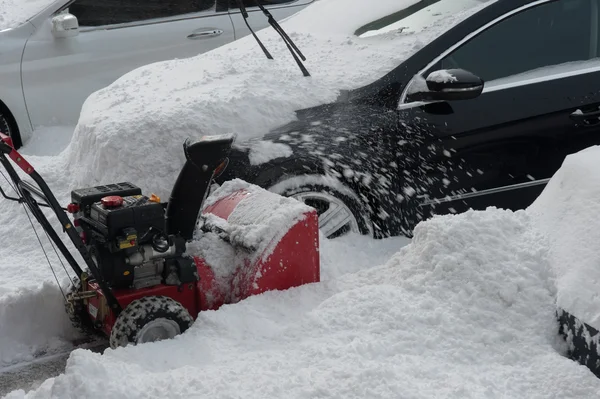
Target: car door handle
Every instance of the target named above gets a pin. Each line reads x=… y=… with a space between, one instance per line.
x=204 y=34
x=590 y=116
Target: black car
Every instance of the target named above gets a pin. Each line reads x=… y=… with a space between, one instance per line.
x=482 y=116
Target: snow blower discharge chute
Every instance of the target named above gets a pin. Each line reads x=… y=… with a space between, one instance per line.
x=139 y=282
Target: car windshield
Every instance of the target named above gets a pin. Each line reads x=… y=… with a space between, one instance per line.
x=15 y=12
x=417 y=17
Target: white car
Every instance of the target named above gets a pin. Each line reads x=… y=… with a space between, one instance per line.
x=55 y=53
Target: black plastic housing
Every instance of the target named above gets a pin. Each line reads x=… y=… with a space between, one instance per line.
x=191 y=188
x=141 y=217
x=85 y=197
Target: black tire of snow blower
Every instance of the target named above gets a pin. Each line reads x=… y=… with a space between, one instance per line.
x=141 y=312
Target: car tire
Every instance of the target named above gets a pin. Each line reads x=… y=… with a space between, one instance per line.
x=339 y=208
x=8 y=127
x=149 y=319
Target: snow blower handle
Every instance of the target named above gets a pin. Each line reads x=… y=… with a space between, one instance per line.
x=6 y=146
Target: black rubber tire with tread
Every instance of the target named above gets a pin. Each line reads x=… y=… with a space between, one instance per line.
x=142 y=311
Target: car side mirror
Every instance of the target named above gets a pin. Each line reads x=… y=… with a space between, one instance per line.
x=65 y=25
x=448 y=85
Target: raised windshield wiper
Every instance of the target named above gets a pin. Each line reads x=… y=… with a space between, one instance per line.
x=288 y=41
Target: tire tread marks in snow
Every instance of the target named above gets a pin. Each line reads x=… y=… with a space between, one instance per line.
x=142 y=311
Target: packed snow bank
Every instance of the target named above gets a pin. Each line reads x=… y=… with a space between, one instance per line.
x=33 y=322
x=48 y=141
x=236 y=89
x=568 y=211
x=465 y=311
x=22 y=261
x=15 y=12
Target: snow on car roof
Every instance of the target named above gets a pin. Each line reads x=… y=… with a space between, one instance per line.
x=236 y=89
x=15 y=12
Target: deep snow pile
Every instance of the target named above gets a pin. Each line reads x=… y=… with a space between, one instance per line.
x=22 y=262
x=33 y=322
x=465 y=311
x=16 y=12
x=236 y=89
x=568 y=211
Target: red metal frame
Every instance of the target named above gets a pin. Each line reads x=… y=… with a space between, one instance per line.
x=16 y=157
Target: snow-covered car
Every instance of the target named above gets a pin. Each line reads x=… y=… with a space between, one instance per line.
x=55 y=53
x=412 y=107
x=472 y=120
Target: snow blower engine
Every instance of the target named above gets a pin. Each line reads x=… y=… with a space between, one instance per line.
x=140 y=283
x=126 y=236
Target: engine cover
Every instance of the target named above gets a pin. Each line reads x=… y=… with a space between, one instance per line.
x=125 y=232
x=136 y=212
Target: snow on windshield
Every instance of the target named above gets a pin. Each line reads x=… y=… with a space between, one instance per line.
x=235 y=89
x=427 y=16
x=15 y=12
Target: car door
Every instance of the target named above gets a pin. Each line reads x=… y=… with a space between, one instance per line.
x=280 y=9
x=115 y=37
x=540 y=102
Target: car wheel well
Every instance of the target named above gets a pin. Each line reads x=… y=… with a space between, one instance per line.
x=271 y=174
x=15 y=134
x=317 y=187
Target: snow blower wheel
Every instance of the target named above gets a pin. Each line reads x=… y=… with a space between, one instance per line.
x=150 y=319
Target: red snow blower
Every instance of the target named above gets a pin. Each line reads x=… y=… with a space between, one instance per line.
x=139 y=283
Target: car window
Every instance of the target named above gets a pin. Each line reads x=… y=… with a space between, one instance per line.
x=419 y=16
x=109 y=12
x=560 y=33
x=252 y=3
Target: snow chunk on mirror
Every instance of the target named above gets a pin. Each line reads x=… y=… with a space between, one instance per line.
x=442 y=76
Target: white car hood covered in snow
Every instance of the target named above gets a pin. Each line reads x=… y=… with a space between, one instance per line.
x=236 y=89
x=15 y=12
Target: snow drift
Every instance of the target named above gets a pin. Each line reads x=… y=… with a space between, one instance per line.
x=568 y=211
x=33 y=321
x=235 y=89
x=464 y=311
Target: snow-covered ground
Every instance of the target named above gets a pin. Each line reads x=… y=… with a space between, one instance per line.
x=465 y=310
x=32 y=317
